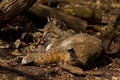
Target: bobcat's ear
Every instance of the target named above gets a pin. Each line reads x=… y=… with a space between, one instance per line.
x=49 y=18
x=53 y=19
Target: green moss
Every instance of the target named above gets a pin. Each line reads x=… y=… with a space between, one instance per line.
x=85 y=13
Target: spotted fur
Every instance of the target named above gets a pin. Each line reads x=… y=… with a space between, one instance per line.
x=86 y=48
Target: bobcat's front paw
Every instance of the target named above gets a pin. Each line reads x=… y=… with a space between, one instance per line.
x=27 y=59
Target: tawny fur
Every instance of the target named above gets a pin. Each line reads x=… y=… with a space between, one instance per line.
x=86 y=47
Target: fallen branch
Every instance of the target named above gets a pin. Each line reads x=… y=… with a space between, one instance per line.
x=74 y=70
x=72 y=22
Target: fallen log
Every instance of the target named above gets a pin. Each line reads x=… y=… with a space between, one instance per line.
x=91 y=15
x=72 y=22
x=11 y=8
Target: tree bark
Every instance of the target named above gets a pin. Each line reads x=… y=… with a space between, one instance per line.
x=11 y=8
x=91 y=15
x=72 y=22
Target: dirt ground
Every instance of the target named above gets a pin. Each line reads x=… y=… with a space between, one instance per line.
x=16 y=41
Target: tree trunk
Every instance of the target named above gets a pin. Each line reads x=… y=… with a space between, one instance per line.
x=11 y=8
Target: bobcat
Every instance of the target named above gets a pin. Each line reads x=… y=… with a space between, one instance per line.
x=78 y=50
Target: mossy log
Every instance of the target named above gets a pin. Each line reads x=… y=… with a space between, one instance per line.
x=11 y=8
x=92 y=16
x=72 y=22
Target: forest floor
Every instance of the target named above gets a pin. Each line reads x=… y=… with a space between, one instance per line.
x=16 y=42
